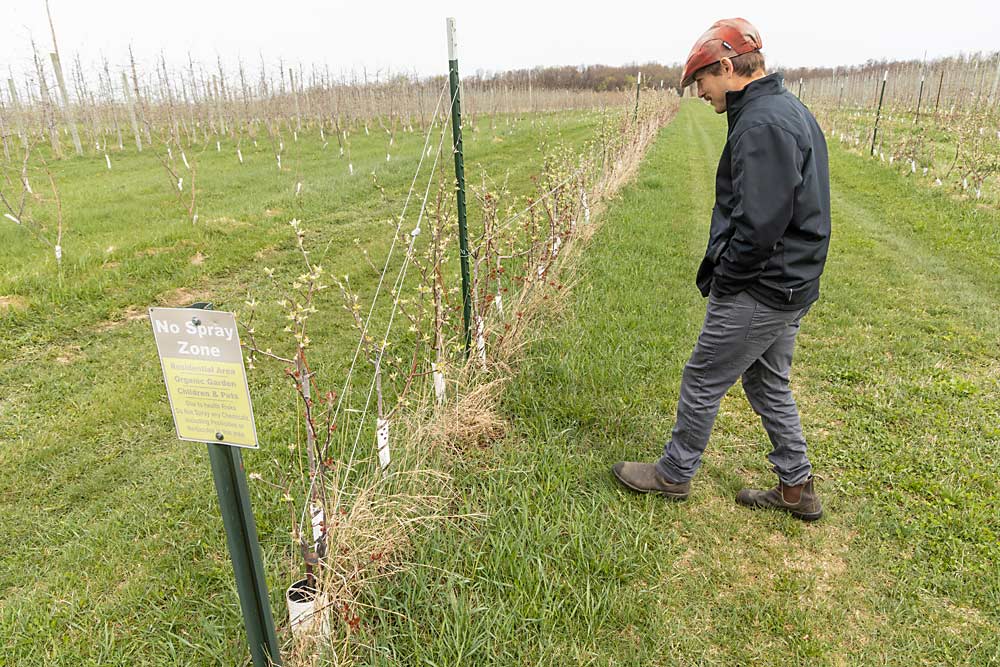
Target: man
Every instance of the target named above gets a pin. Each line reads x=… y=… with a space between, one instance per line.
x=768 y=243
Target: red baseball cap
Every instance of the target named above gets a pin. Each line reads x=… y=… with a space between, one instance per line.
x=725 y=39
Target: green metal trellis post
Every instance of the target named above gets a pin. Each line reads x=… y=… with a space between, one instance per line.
x=920 y=96
x=638 y=85
x=937 y=100
x=878 y=113
x=456 y=133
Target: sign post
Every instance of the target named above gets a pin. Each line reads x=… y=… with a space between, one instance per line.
x=206 y=383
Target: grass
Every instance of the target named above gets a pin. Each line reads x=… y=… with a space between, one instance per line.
x=115 y=554
x=129 y=240
x=897 y=379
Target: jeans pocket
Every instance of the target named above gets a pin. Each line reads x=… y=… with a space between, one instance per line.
x=736 y=297
x=758 y=321
x=767 y=322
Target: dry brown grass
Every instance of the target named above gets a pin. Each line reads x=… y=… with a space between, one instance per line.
x=67 y=355
x=468 y=421
x=175 y=298
x=368 y=535
x=130 y=314
x=12 y=303
x=183 y=296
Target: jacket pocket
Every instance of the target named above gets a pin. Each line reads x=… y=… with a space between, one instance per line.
x=715 y=252
x=774 y=269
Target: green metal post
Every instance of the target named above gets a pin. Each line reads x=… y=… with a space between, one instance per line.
x=920 y=96
x=638 y=84
x=456 y=133
x=241 y=535
x=878 y=114
x=244 y=549
x=937 y=100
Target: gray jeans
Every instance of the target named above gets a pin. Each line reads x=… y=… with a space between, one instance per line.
x=740 y=337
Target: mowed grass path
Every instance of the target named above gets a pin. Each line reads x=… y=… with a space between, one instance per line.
x=898 y=380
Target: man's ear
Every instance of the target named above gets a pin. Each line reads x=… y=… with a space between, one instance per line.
x=727 y=67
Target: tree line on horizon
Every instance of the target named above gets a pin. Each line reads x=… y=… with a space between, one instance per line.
x=657 y=75
x=586 y=77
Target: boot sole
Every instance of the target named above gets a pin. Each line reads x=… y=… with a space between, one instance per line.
x=802 y=516
x=677 y=497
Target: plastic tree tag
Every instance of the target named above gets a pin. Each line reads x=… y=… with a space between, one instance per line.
x=318 y=521
x=439 y=389
x=480 y=341
x=382 y=435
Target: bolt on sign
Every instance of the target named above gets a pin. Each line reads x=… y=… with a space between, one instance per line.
x=204 y=374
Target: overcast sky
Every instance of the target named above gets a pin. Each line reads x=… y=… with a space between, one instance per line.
x=497 y=35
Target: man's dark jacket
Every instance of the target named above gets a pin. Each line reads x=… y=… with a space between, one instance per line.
x=771 y=223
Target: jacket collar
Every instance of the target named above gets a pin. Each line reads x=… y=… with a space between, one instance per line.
x=772 y=84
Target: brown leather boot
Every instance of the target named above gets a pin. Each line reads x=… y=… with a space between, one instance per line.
x=800 y=501
x=644 y=478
